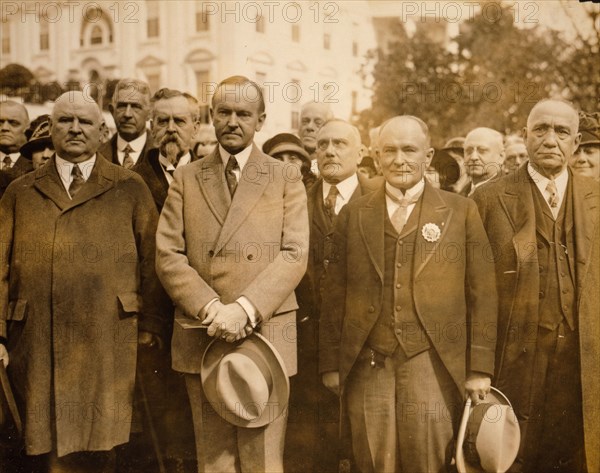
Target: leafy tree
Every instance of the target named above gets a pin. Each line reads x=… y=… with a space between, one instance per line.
x=15 y=80
x=492 y=78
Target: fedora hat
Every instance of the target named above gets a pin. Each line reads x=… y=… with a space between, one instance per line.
x=488 y=437
x=245 y=382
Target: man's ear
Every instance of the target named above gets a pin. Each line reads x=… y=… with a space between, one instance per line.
x=261 y=121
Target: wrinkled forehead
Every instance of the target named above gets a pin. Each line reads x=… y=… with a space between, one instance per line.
x=551 y=113
x=400 y=130
x=77 y=107
x=243 y=96
x=13 y=112
x=174 y=106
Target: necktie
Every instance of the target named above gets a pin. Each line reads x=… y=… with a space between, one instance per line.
x=6 y=163
x=399 y=217
x=330 y=201
x=127 y=159
x=552 y=194
x=77 y=182
x=230 y=175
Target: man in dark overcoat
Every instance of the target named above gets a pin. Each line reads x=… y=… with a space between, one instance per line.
x=542 y=222
x=77 y=284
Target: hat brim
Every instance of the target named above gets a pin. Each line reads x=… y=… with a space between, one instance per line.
x=279 y=395
x=462 y=466
x=28 y=148
x=289 y=148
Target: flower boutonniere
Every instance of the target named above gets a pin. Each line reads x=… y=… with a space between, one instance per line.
x=431 y=232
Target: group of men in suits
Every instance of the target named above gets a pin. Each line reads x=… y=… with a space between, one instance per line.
x=404 y=298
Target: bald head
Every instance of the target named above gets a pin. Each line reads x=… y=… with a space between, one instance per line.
x=75 y=127
x=312 y=117
x=484 y=153
x=14 y=120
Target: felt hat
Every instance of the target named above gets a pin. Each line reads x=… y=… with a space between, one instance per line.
x=245 y=382
x=285 y=142
x=38 y=135
x=589 y=127
x=488 y=437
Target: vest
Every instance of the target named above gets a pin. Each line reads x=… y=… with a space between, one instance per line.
x=556 y=252
x=398 y=323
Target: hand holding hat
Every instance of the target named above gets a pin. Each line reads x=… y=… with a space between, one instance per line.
x=227 y=321
x=488 y=437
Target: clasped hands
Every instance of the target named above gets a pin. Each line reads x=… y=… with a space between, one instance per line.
x=227 y=321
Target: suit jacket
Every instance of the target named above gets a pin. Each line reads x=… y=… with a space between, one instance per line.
x=254 y=245
x=76 y=281
x=109 y=149
x=507 y=210
x=453 y=287
x=22 y=166
x=153 y=175
x=321 y=228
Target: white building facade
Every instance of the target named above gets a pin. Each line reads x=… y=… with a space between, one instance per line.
x=298 y=51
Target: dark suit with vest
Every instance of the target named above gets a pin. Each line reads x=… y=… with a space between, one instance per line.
x=312 y=438
x=547 y=361
x=404 y=319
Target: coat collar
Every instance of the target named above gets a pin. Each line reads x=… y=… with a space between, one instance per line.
x=232 y=212
x=48 y=182
x=372 y=216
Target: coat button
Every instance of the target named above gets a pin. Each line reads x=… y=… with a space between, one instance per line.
x=211 y=253
x=250 y=257
x=541 y=294
x=398 y=286
x=398 y=308
x=371 y=309
x=540 y=246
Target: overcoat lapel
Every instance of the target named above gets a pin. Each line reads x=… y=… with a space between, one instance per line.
x=48 y=182
x=433 y=211
x=254 y=181
x=211 y=178
x=371 y=220
x=585 y=216
x=517 y=202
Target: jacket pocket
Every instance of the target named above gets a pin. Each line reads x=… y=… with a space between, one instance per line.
x=17 y=310
x=129 y=304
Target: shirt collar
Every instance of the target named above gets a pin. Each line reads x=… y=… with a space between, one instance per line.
x=14 y=157
x=65 y=167
x=345 y=188
x=397 y=193
x=542 y=181
x=241 y=157
x=185 y=159
x=137 y=144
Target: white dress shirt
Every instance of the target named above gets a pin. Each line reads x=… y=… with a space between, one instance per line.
x=168 y=167
x=13 y=158
x=136 y=145
x=345 y=188
x=542 y=182
x=65 y=168
x=392 y=205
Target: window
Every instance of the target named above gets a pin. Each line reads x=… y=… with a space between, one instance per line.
x=202 y=85
x=260 y=24
x=327 y=41
x=354 y=49
x=354 y=101
x=44 y=36
x=202 y=19
x=261 y=78
x=295 y=120
x=96 y=36
x=152 y=19
x=296 y=33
